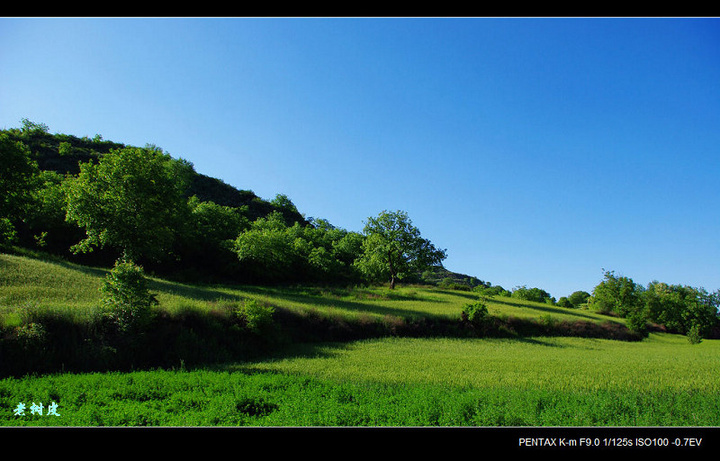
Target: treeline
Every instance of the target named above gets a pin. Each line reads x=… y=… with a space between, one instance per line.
x=96 y=202
x=679 y=309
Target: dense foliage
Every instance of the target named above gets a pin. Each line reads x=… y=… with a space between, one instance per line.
x=394 y=248
x=537 y=295
x=680 y=309
x=132 y=199
x=96 y=201
x=18 y=177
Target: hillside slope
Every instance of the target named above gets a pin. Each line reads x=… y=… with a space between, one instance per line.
x=51 y=318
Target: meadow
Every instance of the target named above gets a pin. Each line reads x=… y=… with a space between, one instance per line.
x=376 y=357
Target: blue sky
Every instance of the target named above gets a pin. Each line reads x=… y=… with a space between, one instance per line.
x=536 y=151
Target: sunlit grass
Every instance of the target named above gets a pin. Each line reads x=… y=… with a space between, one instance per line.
x=662 y=380
x=30 y=282
x=662 y=362
x=402 y=382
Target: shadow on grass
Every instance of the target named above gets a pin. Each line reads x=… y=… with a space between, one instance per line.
x=313 y=298
x=547 y=309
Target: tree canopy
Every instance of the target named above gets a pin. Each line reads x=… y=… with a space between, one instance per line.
x=133 y=199
x=393 y=248
x=18 y=180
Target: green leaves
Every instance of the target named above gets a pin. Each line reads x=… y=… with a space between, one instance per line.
x=133 y=200
x=393 y=247
x=18 y=181
x=275 y=252
x=126 y=296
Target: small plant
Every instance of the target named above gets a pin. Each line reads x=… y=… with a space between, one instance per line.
x=637 y=323
x=694 y=335
x=475 y=313
x=256 y=317
x=126 y=296
x=31 y=336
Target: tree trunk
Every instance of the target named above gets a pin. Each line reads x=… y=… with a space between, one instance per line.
x=392 y=270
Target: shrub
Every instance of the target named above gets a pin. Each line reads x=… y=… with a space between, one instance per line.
x=694 y=334
x=126 y=296
x=256 y=317
x=578 y=298
x=564 y=302
x=637 y=323
x=475 y=313
x=537 y=295
x=32 y=336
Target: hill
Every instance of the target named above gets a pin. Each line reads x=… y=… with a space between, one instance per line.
x=221 y=211
x=62 y=153
x=51 y=318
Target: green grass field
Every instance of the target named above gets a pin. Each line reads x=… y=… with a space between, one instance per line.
x=387 y=381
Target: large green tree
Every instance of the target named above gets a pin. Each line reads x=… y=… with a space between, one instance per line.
x=393 y=248
x=133 y=199
x=18 y=181
x=617 y=295
x=681 y=307
x=272 y=251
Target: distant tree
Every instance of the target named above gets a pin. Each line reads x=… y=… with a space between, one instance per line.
x=18 y=181
x=283 y=202
x=272 y=251
x=578 y=298
x=537 y=295
x=32 y=127
x=267 y=249
x=619 y=295
x=489 y=290
x=681 y=308
x=393 y=248
x=214 y=224
x=133 y=199
x=564 y=302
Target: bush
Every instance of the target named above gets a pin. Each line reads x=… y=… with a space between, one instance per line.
x=127 y=298
x=537 y=295
x=32 y=337
x=637 y=323
x=256 y=317
x=564 y=302
x=475 y=313
x=694 y=334
x=578 y=298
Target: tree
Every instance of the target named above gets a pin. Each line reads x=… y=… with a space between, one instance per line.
x=680 y=308
x=18 y=181
x=272 y=251
x=133 y=199
x=564 y=302
x=578 y=298
x=267 y=249
x=619 y=295
x=394 y=248
x=537 y=295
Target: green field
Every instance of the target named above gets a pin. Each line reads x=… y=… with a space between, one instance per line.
x=380 y=380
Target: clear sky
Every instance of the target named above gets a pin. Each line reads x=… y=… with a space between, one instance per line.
x=538 y=152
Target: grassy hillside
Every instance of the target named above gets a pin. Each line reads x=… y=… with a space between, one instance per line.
x=336 y=356
x=663 y=381
x=27 y=283
x=50 y=314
